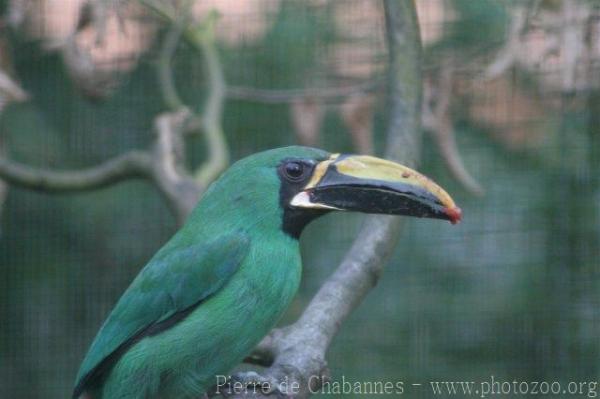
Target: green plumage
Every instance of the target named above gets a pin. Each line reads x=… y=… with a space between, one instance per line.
x=207 y=297
x=221 y=283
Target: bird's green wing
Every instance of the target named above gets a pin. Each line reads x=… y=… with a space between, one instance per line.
x=171 y=285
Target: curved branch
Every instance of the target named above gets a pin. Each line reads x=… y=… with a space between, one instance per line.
x=218 y=156
x=162 y=166
x=508 y=55
x=11 y=90
x=298 y=351
x=273 y=96
x=439 y=122
x=200 y=36
x=167 y=51
x=169 y=173
x=134 y=164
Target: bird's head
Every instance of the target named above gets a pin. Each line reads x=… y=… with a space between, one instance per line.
x=304 y=183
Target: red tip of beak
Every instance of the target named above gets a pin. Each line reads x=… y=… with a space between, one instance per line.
x=454 y=214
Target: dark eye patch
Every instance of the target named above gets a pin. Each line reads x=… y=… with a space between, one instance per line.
x=294 y=175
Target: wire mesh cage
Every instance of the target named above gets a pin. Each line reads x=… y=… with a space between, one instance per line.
x=510 y=113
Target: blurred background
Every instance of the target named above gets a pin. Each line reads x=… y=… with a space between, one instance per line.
x=511 y=119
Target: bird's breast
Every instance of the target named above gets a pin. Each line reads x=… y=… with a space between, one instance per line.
x=267 y=282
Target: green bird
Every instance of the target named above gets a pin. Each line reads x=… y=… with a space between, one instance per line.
x=222 y=282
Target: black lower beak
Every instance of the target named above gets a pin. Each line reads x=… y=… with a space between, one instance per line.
x=372 y=185
x=376 y=197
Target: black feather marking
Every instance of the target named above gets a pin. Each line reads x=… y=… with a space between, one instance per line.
x=295 y=219
x=96 y=376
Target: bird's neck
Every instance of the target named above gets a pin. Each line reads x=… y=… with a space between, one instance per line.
x=230 y=212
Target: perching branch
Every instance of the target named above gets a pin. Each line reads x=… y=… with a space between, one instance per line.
x=298 y=351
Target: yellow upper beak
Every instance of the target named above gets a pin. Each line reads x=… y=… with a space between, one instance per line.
x=373 y=185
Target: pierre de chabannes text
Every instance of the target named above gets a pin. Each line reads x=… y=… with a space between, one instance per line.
x=490 y=387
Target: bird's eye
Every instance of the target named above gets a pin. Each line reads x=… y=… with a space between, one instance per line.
x=294 y=171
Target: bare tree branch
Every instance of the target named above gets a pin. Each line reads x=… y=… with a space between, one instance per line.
x=165 y=74
x=298 y=351
x=437 y=119
x=11 y=90
x=162 y=166
x=201 y=36
x=169 y=173
x=270 y=96
x=181 y=20
x=163 y=9
x=135 y=164
x=218 y=156
x=508 y=55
